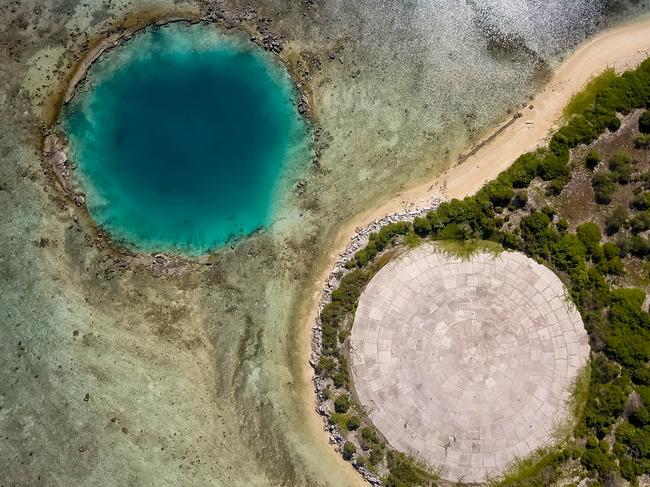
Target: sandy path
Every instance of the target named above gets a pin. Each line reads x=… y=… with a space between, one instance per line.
x=622 y=47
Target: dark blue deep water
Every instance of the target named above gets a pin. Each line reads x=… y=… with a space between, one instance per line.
x=184 y=137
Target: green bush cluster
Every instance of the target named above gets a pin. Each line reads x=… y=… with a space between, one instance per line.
x=632 y=449
x=640 y=222
x=593 y=159
x=642 y=141
x=379 y=241
x=644 y=122
x=371 y=443
x=632 y=446
x=604 y=184
x=636 y=245
x=336 y=318
x=620 y=166
x=615 y=220
x=641 y=201
x=349 y=450
x=604 y=405
x=596 y=456
x=342 y=404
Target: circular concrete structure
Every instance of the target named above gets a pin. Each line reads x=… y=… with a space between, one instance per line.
x=466 y=363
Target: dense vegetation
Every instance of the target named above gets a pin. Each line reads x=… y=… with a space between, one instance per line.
x=613 y=435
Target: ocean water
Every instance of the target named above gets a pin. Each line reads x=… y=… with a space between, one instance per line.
x=183 y=137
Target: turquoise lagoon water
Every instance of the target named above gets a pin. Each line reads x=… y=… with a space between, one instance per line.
x=184 y=138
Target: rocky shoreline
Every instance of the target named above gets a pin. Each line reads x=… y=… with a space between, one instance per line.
x=358 y=241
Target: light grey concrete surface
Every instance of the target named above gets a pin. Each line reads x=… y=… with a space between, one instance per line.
x=468 y=364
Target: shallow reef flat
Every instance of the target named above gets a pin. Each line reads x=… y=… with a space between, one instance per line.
x=118 y=373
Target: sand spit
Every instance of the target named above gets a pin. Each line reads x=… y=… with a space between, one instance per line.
x=621 y=48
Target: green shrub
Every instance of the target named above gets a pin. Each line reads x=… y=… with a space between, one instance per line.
x=610 y=250
x=641 y=417
x=340 y=420
x=341 y=378
x=553 y=165
x=604 y=185
x=603 y=370
x=592 y=159
x=455 y=231
x=498 y=192
x=508 y=240
x=642 y=141
x=368 y=434
x=602 y=118
x=589 y=234
x=637 y=245
x=621 y=167
x=378 y=241
x=523 y=170
x=644 y=179
x=412 y=239
x=349 y=450
x=473 y=216
x=342 y=404
x=578 y=131
x=535 y=222
x=615 y=220
x=610 y=262
x=422 y=226
x=604 y=405
x=377 y=453
x=520 y=200
x=627 y=334
x=641 y=201
x=556 y=186
x=641 y=375
x=353 y=423
x=568 y=254
x=632 y=449
x=640 y=222
x=644 y=122
x=326 y=364
x=538 y=237
x=597 y=458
